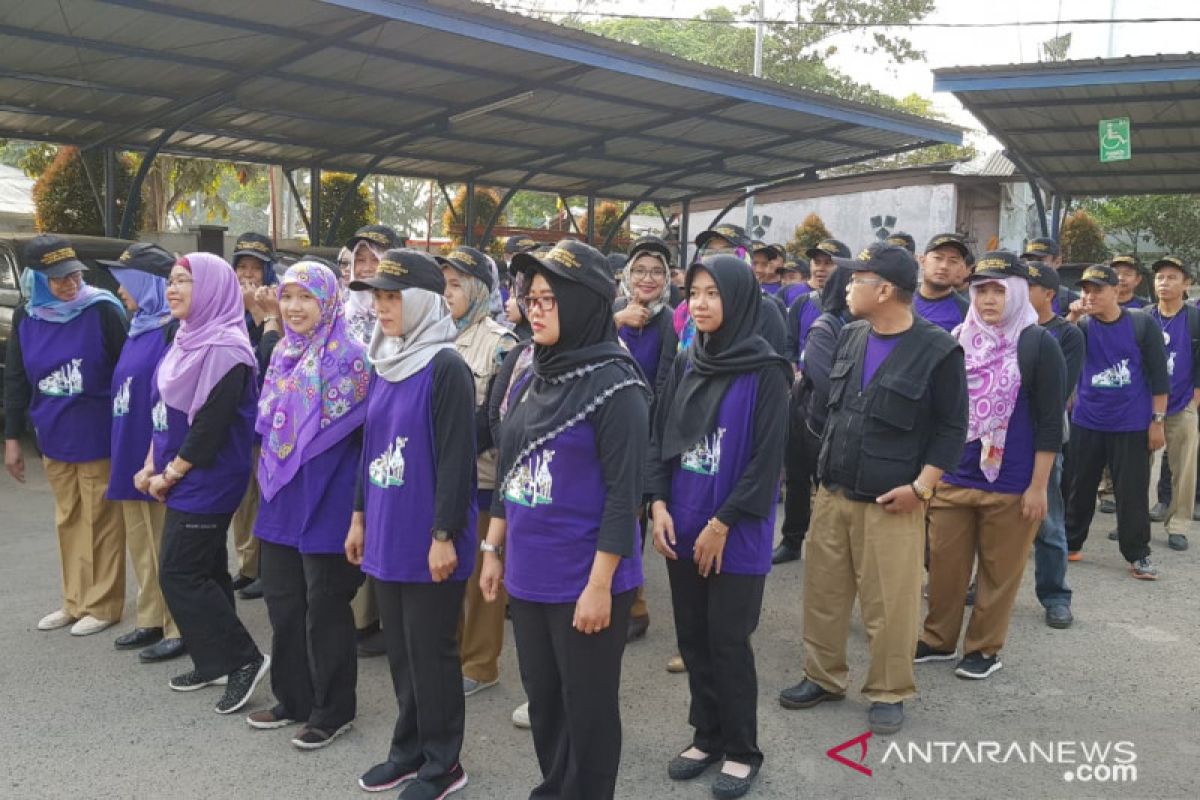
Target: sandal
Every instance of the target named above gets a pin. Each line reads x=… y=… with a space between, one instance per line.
x=682 y=768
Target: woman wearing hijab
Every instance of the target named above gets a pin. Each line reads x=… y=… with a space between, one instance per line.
x=142 y=274
x=199 y=465
x=483 y=343
x=572 y=448
x=413 y=529
x=64 y=344
x=310 y=416
x=719 y=434
x=514 y=311
x=991 y=506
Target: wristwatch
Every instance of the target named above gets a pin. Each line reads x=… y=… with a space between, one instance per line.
x=442 y=535
x=487 y=547
x=924 y=493
x=1158 y=417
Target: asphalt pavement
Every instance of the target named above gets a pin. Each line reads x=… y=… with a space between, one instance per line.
x=1069 y=715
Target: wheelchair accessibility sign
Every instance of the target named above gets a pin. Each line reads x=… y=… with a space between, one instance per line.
x=1114 y=140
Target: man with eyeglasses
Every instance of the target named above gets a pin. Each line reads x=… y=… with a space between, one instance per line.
x=897 y=421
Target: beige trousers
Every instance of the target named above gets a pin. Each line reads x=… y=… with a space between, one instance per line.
x=481 y=624
x=243 y=524
x=143 y=537
x=1182 y=439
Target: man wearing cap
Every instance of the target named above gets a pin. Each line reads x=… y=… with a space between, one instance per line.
x=1045 y=251
x=62 y=350
x=897 y=421
x=763 y=258
x=943 y=267
x=1180 y=323
x=733 y=240
x=793 y=280
x=905 y=240
x=1050 y=544
x=254 y=262
x=805 y=309
x=1129 y=278
x=1118 y=418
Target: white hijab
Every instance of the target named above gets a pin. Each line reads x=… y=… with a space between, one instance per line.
x=360 y=308
x=428 y=328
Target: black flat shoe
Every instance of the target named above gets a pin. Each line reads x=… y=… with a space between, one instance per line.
x=727 y=787
x=807 y=694
x=785 y=553
x=681 y=768
x=637 y=627
x=251 y=591
x=163 y=651
x=372 y=646
x=241 y=582
x=138 y=637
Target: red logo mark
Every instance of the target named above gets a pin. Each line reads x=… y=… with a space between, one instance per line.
x=835 y=753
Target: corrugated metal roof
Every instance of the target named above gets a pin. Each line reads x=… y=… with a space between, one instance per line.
x=1048 y=114
x=986 y=165
x=445 y=89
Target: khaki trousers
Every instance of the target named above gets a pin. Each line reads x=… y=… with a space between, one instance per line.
x=243 y=524
x=1182 y=439
x=481 y=624
x=857 y=548
x=91 y=539
x=143 y=537
x=965 y=524
x=366 y=610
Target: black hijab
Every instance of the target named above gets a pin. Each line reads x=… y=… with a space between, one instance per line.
x=715 y=359
x=833 y=293
x=571 y=378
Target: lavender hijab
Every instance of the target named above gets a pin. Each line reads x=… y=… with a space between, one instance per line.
x=150 y=293
x=212 y=339
x=314 y=391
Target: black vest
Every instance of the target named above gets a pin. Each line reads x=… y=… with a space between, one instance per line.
x=875 y=439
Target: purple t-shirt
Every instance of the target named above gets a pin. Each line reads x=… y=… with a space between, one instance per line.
x=807 y=316
x=1178 y=340
x=553 y=503
x=794 y=292
x=131 y=404
x=1113 y=393
x=704 y=476
x=944 y=312
x=878 y=348
x=71 y=377
x=1016 y=468
x=399 y=478
x=645 y=345
x=311 y=512
x=1134 y=302
x=770 y=288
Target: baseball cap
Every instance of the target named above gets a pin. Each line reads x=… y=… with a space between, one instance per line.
x=791 y=266
x=773 y=251
x=828 y=247
x=650 y=244
x=1171 y=261
x=401 y=269
x=1125 y=260
x=1101 y=274
x=468 y=261
x=902 y=239
x=1041 y=247
x=891 y=262
x=999 y=264
x=949 y=240
x=574 y=261
x=519 y=244
x=53 y=256
x=734 y=234
x=255 y=245
x=1046 y=277
x=144 y=257
x=378 y=235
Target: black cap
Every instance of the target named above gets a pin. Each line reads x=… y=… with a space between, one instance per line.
x=1172 y=261
x=902 y=239
x=734 y=234
x=1041 y=247
x=469 y=261
x=949 y=240
x=892 y=263
x=1126 y=260
x=144 y=257
x=789 y=266
x=773 y=251
x=402 y=269
x=574 y=261
x=999 y=264
x=828 y=247
x=52 y=255
x=519 y=244
x=616 y=263
x=1046 y=277
x=256 y=245
x=378 y=235
x=1102 y=274
x=650 y=244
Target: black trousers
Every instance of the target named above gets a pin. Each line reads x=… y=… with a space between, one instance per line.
x=1127 y=456
x=573 y=683
x=714 y=618
x=1165 y=493
x=194 y=574
x=314 y=663
x=800 y=473
x=420 y=628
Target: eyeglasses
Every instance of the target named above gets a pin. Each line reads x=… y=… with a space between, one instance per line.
x=73 y=277
x=866 y=281
x=642 y=272
x=174 y=282
x=543 y=302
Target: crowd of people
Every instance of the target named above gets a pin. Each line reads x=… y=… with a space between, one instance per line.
x=411 y=448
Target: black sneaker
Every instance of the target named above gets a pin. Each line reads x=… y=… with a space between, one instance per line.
x=241 y=686
x=785 y=553
x=1108 y=506
x=315 y=738
x=372 y=645
x=807 y=694
x=1177 y=541
x=1059 y=616
x=1159 y=512
x=242 y=581
x=1143 y=570
x=191 y=681
x=925 y=654
x=386 y=776
x=977 y=666
x=251 y=591
x=1114 y=535
x=885 y=718
x=437 y=788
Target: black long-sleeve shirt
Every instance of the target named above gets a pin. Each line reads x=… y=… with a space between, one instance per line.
x=1070 y=341
x=18 y=392
x=1047 y=391
x=818 y=360
x=772 y=324
x=210 y=427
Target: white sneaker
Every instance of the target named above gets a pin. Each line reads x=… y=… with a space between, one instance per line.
x=89 y=625
x=521 y=716
x=55 y=620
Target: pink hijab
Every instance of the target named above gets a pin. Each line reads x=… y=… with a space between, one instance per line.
x=993 y=375
x=211 y=341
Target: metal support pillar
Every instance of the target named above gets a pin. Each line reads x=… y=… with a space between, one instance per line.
x=1056 y=206
x=591 y=219
x=684 y=212
x=469 y=215
x=486 y=236
x=133 y=200
x=291 y=182
x=608 y=240
x=314 y=204
x=454 y=215
x=336 y=220
x=566 y=201
x=1041 y=207
x=110 y=192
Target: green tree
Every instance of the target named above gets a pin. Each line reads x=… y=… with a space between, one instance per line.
x=1081 y=239
x=31 y=157
x=66 y=201
x=1170 y=221
x=358 y=212
x=809 y=233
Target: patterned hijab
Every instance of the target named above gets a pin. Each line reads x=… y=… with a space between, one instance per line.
x=313 y=393
x=360 y=305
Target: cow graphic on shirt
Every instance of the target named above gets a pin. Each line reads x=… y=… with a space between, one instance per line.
x=121 y=399
x=158 y=417
x=704 y=457
x=387 y=470
x=532 y=483
x=1117 y=376
x=65 y=381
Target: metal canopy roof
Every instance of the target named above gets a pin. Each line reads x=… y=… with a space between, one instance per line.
x=446 y=89
x=1048 y=114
